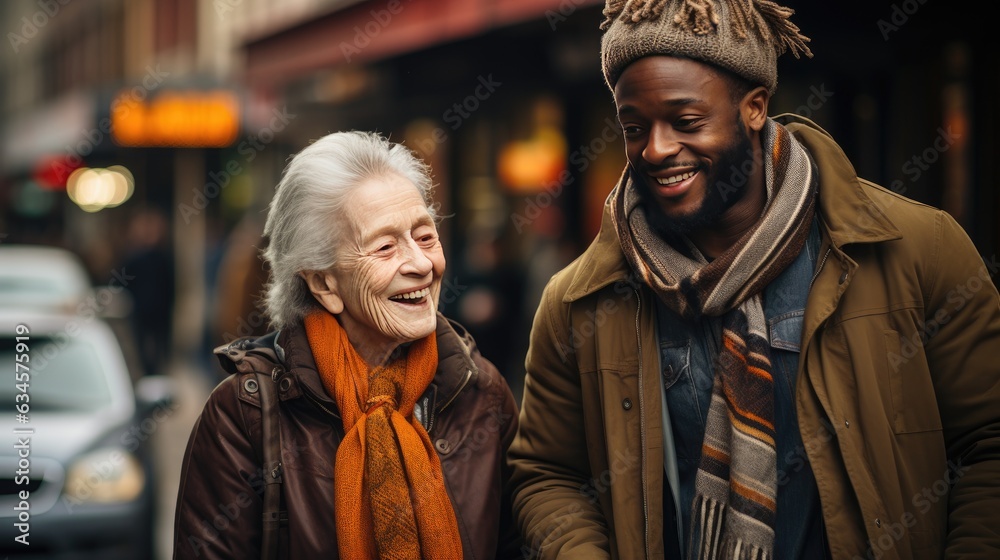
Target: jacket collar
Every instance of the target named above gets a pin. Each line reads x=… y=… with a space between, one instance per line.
x=603 y=263
x=849 y=215
x=455 y=363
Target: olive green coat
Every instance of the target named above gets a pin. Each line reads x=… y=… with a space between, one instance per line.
x=898 y=393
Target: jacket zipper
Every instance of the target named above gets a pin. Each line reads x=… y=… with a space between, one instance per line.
x=431 y=423
x=318 y=403
x=820 y=269
x=642 y=428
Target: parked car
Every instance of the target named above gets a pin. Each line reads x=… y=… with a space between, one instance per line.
x=81 y=451
x=42 y=277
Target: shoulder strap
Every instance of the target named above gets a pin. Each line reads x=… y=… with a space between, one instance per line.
x=272 y=466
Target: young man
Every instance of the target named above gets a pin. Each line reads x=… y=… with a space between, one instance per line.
x=761 y=355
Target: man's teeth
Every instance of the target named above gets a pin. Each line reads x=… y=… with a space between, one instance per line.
x=675 y=178
x=411 y=295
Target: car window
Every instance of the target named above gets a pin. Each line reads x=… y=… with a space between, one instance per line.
x=13 y=287
x=67 y=378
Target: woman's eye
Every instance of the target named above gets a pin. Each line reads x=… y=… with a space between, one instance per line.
x=425 y=236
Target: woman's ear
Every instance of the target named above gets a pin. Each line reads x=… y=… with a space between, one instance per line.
x=324 y=288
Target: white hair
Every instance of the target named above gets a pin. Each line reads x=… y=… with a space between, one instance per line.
x=303 y=217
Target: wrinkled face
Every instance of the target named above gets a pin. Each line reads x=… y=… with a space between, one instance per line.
x=686 y=142
x=385 y=286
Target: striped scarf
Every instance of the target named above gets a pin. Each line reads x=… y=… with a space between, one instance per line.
x=734 y=509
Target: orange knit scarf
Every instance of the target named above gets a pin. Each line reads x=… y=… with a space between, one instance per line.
x=389 y=492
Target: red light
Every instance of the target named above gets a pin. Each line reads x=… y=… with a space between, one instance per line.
x=51 y=172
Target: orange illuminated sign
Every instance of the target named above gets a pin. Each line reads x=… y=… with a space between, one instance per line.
x=196 y=119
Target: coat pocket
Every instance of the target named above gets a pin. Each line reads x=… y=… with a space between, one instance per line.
x=914 y=404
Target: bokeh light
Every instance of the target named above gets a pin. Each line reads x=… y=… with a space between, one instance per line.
x=96 y=189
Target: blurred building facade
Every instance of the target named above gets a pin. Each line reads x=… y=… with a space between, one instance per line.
x=504 y=98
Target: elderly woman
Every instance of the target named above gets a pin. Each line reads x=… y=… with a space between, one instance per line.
x=393 y=428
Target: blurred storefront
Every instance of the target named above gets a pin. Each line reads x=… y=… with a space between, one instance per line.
x=111 y=139
x=504 y=98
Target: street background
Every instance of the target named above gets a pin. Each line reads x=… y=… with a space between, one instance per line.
x=200 y=103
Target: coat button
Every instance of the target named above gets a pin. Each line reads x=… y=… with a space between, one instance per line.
x=627 y=404
x=878 y=522
x=847 y=423
x=442 y=445
x=250 y=385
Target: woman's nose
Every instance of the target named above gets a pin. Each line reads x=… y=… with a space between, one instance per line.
x=416 y=261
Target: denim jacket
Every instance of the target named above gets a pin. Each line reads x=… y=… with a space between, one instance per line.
x=688 y=351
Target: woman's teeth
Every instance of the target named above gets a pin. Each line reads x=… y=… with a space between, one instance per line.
x=675 y=178
x=409 y=296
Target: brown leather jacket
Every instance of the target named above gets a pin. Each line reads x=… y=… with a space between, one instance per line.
x=468 y=410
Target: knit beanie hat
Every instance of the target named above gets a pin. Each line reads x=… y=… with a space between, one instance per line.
x=742 y=36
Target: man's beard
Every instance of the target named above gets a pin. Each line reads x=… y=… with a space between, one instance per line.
x=721 y=193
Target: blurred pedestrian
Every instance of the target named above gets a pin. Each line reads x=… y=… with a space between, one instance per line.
x=149 y=263
x=238 y=309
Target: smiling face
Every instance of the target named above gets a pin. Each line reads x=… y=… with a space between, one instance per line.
x=385 y=286
x=688 y=140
